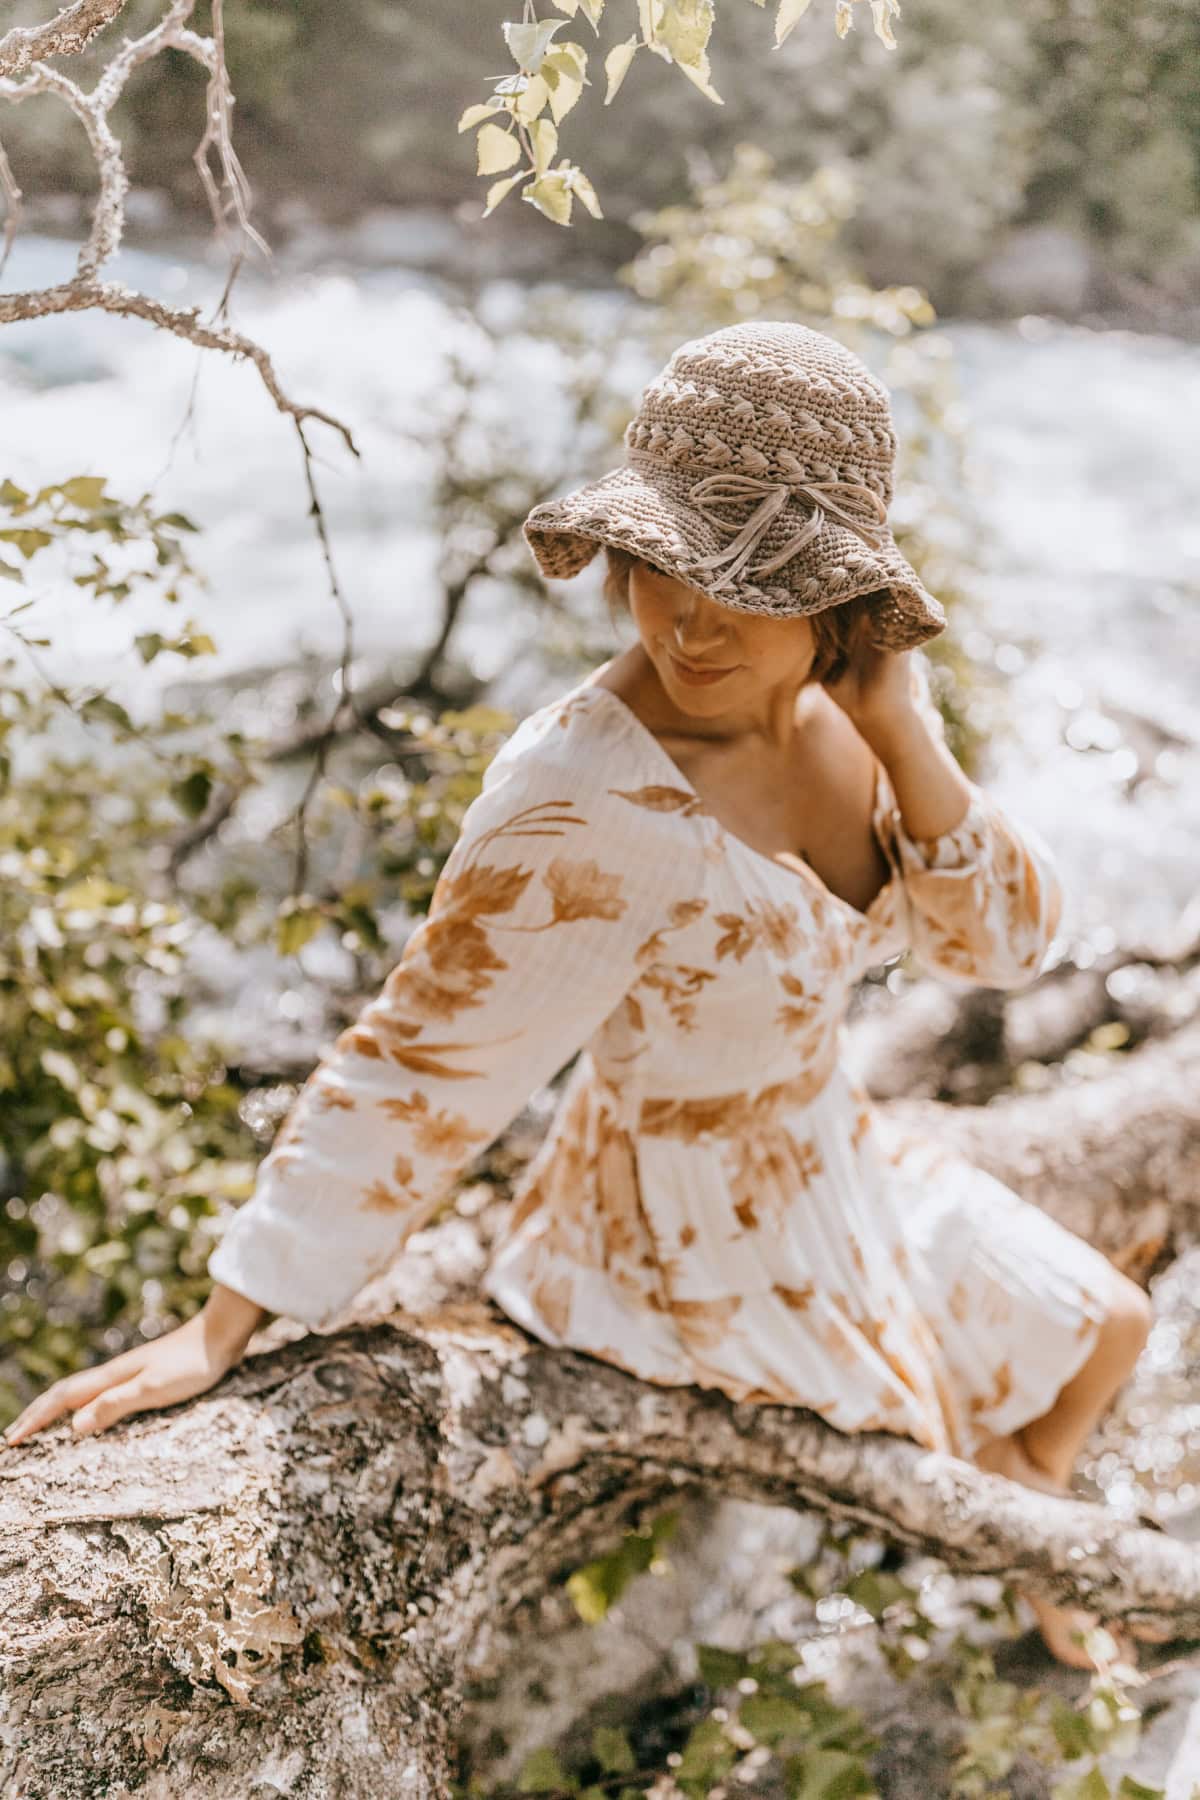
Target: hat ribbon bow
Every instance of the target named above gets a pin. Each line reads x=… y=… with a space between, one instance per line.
x=859 y=507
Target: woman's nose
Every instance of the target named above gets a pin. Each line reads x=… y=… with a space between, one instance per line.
x=697 y=636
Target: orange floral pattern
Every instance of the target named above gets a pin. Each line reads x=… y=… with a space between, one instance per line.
x=716 y=1199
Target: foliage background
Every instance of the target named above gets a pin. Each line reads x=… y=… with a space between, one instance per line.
x=891 y=181
x=1082 y=115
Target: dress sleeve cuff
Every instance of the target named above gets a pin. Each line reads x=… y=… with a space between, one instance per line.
x=284 y=1270
x=964 y=844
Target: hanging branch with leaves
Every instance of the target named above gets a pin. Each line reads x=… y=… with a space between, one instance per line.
x=519 y=123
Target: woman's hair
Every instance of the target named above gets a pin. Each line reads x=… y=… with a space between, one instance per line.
x=836 y=630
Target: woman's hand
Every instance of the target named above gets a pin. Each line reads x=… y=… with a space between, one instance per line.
x=176 y=1366
x=879 y=692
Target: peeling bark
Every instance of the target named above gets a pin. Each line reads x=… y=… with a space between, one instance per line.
x=277 y=1587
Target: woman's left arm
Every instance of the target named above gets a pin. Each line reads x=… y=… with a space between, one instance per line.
x=983 y=894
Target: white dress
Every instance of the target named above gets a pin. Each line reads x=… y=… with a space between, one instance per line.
x=717 y=1200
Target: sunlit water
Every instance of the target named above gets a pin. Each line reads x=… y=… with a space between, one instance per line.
x=1086 y=449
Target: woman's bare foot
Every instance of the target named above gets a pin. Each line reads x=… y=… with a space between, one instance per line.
x=1058 y=1624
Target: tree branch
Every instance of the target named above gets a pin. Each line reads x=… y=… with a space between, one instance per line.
x=289 y=1574
x=69 y=32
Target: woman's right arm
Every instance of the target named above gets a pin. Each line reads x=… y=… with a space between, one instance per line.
x=545 y=914
x=177 y=1366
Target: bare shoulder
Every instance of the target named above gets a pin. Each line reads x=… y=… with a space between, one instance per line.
x=618 y=675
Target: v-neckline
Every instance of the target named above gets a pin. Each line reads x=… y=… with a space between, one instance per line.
x=798 y=864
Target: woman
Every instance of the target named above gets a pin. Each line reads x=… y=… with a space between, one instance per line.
x=682 y=867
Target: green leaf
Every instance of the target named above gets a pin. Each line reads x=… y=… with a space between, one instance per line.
x=773 y=1717
x=532 y=98
x=874 y=1591
x=529 y=43
x=616 y=64
x=828 y=1775
x=595 y=1585
x=707 y=1754
x=191 y=795
x=881 y=13
x=84 y=491
x=1091 y=1786
x=27 y=539
x=1073 y=1730
x=10 y=572
x=788 y=17
x=296 y=923
x=93 y=891
x=179 y=521
x=541 y=1773
x=545 y=144
x=11 y=494
x=1137 y=1790
x=684 y=33
x=564 y=82
x=586 y=192
x=498 y=189
x=99 y=706
x=475 y=115
x=685 y=29
x=191 y=643
x=567 y=58
x=613 y=1751
x=720 y=1668
x=497 y=149
x=551 y=195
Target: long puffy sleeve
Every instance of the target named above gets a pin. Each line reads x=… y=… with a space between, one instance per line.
x=541 y=920
x=983 y=900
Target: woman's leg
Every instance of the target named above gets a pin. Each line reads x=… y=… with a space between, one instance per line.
x=1053 y=1441
x=1043 y=1452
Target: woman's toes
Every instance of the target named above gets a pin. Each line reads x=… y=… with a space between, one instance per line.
x=1151 y=1634
x=1059 y=1626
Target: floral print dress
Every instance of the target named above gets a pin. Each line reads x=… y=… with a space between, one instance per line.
x=717 y=1200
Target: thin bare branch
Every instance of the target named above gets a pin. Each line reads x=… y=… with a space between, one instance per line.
x=184 y=322
x=219 y=103
x=86 y=290
x=12 y=206
x=69 y=32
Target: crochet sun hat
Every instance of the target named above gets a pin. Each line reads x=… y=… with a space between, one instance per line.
x=758 y=468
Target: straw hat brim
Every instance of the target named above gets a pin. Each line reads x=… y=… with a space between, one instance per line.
x=647 y=513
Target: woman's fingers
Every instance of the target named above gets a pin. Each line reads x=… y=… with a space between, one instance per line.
x=42 y=1411
x=116 y=1402
x=71 y=1392
x=174 y=1367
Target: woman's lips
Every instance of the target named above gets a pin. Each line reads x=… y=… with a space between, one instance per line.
x=699 y=677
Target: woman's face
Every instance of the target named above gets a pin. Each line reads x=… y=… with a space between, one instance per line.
x=678 y=624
